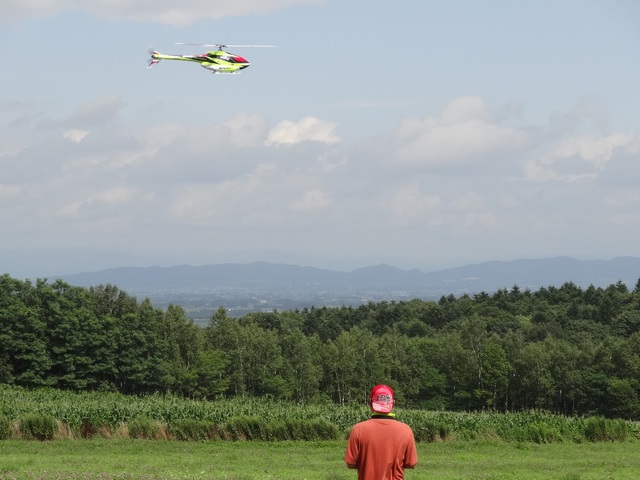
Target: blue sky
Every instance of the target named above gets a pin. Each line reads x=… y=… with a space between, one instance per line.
x=420 y=134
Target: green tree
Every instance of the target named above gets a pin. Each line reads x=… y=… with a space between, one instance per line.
x=24 y=357
x=302 y=369
x=567 y=363
x=474 y=338
x=256 y=364
x=109 y=301
x=624 y=396
x=532 y=384
x=181 y=344
x=353 y=363
x=226 y=335
x=265 y=364
x=497 y=371
x=82 y=347
x=141 y=367
x=458 y=366
x=206 y=379
x=414 y=371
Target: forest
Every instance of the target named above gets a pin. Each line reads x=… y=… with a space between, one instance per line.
x=562 y=349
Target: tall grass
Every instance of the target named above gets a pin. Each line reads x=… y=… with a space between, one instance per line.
x=599 y=429
x=5 y=427
x=31 y=414
x=37 y=426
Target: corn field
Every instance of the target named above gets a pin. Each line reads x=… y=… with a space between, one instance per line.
x=23 y=413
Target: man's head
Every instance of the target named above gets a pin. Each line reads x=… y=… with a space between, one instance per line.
x=381 y=399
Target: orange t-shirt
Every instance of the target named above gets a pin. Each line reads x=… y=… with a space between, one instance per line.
x=381 y=448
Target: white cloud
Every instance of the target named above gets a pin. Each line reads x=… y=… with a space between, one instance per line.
x=9 y=191
x=247 y=130
x=410 y=203
x=168 y=12
x=9 y=148
x=224 y=180
x=312 y=200
x=576 y=157
x=466 y=108
x=95 y=112
x=232 y=201
x=472 y=212
x=633 y=147
x=306 y=130
x=412 y=206
x=97 y=203
x=241 y=131
x=624 y=201
x=462 y=134
x=160 y=135
x=624 y=209
x=75 y=135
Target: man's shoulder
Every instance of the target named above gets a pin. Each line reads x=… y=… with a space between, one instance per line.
x=362 y=424
x=377 y=420
x=401 y=424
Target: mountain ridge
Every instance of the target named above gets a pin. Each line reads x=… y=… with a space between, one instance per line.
x=486 y=276
x=242 y=288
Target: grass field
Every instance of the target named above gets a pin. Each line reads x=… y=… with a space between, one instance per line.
x=103 y=459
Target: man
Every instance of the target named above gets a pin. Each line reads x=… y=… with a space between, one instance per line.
x=381 y=447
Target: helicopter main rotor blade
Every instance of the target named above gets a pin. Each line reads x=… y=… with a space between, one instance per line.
x=222 y=45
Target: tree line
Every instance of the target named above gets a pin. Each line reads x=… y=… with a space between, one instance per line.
x=567 y=349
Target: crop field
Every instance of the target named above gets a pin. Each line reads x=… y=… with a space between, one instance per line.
x=54 y=414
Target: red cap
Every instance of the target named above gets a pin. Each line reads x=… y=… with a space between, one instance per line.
x=381 y=399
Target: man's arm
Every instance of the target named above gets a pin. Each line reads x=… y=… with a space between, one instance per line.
x=410 y=462
x=353 y=450
x=411 y=454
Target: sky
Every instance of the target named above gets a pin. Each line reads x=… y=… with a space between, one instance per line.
x=421 y=134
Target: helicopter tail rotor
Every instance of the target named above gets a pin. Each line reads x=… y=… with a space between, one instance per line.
x=154 y=59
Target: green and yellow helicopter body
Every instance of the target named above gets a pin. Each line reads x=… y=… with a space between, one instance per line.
x=216 y=61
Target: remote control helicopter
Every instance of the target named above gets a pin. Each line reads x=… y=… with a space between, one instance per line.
x=216 y=61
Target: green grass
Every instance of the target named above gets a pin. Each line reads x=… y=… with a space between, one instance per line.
x=109 y=459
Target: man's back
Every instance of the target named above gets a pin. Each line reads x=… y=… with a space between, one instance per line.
x=381 y=448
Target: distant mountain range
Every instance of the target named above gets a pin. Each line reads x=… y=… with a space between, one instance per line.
x=292 y=279
x=260 y=286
